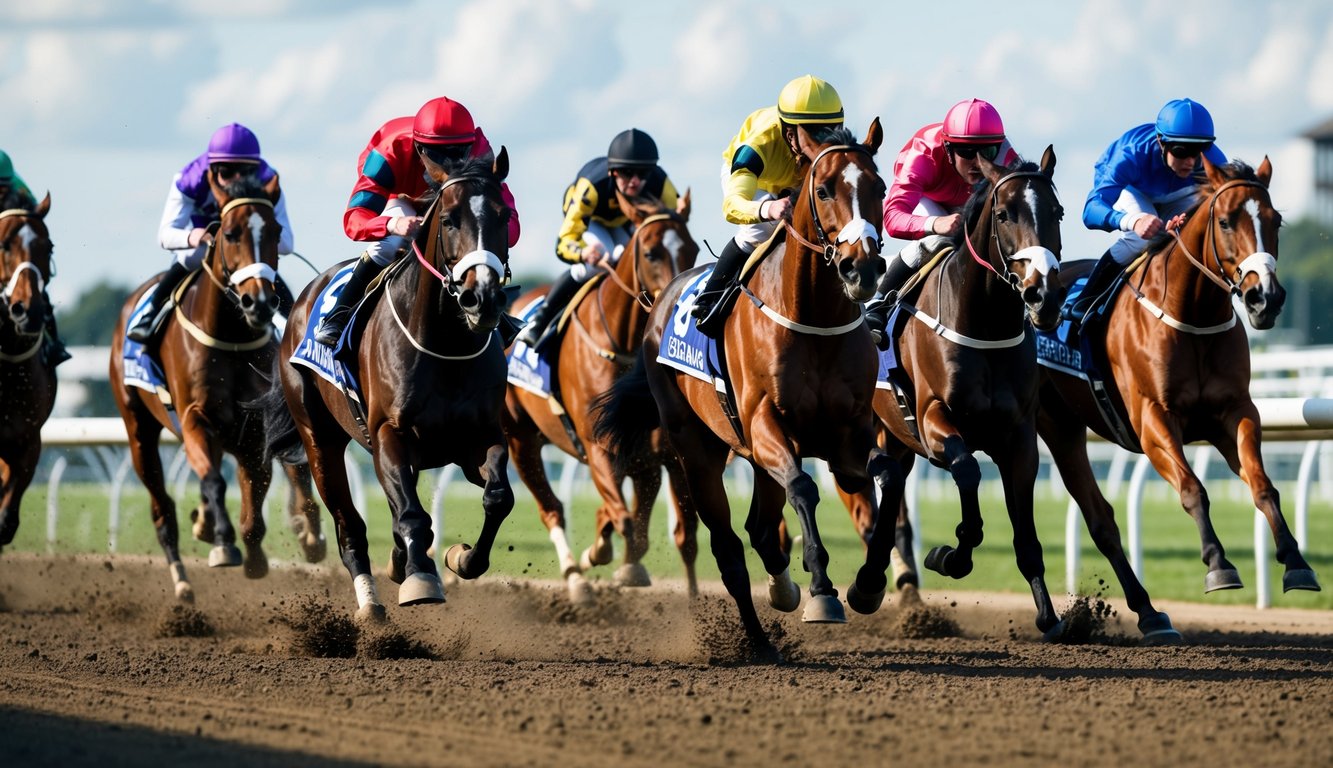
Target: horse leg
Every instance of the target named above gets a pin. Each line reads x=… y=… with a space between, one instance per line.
x=766 y=538
x=525 y=449
x=866 y=593
x=204 y=453
x=1247 y=461
x=1161 y=441
x=686 y=532
x=17 y=473
x=1018 y=474
x=962 y=465
x=329 y=471
x=303 y=513
x=254 y=478
x=412 y=534
x=497 y=501
x=903 y=557
x=1067 y=438
x=145 y=433
x=614 y=515
x=634 y=527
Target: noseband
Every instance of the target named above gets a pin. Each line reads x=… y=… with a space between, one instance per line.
x=1225 y=282
x=856 y=229
x=478 y=258
x=12 y=282
x=1010 y=277
x=231 y=280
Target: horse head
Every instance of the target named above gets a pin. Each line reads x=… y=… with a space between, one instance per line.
x=1018 y=225
x=465 y=238
x=661 y=246
x=843 y=197
x=1242 y=228
x=243 y=260
x=25 y=255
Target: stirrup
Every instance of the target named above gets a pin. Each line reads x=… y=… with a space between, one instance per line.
x=332 y=326
x=144 y=332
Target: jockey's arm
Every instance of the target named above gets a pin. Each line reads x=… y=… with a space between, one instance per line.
x=738 y=204
x=286 y=240
x=173 y=233
x=580 y=202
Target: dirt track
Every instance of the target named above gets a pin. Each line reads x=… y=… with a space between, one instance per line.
x=519 y=678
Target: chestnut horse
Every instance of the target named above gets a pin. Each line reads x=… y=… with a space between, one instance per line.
x=605 y=331
x=215 y=352
x=801 y=366
x=1179 y=371
x=431 y=369
x=27 y=382
x=971 y=360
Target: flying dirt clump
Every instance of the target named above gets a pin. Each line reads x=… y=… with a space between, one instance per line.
x=394 y=644
x=321 y=631
x=184 y=621
x=921 y=622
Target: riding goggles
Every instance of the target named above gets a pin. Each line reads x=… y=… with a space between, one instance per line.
x=1187 y=150
x=970 y=151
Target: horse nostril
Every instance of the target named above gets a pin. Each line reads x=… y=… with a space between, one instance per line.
x=847 y=267
x=1032 y=295
x=468 y=300
x=247 y=302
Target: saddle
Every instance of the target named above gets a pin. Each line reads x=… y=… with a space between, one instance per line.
x=556 y=329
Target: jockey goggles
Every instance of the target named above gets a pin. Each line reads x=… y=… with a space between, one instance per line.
x=970 y=151
x=1193 y=149
x=445 y=154
x=226 y=171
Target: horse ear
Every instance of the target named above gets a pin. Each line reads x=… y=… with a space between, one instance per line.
x=501 y=165
x=683 y=205
x=874 y=136
x=1048 y=160
x=219 y=194
x=272 y=191
x=628 y=207
x=1264 y=172
x=1215 y=176
x=45 y=206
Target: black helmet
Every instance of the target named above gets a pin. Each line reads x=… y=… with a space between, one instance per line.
x=630 y=149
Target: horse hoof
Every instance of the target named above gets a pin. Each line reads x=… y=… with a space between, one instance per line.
x=371 y=613
x=580 y=591
x=1300 y=578
x=256 y=564
x=935 y=559
x=824 y=609
x=909 y=596
x=632 y=575
x=421 y=589
x=185 y=592
x=1056 y=633
x=864 y=602
x=783 y=594
x=1223 y=578
x=224 y=556
x=397 y=565
x=455 y=558
x=315 y=548
x=1157 y=630
x=903 y=574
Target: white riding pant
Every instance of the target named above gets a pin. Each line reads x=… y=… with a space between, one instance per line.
x=1129 y=245
x=612 y=239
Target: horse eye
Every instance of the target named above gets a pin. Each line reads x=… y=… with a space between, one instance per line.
x=1002 y=216
x=233 y=236
x=1224 y=223
x=822 y=192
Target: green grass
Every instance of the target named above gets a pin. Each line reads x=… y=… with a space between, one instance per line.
x=1171 y=546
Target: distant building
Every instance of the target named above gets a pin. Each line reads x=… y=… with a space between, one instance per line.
x=1322 y=137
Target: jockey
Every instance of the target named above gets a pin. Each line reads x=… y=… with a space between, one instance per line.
x=14 y=193
x=390 y=170
x=933 y=178
x=1144 y=178
x=595 y=230
x=760 y=166
x=232 y=160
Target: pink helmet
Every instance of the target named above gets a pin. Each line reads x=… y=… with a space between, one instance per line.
x=973 y=122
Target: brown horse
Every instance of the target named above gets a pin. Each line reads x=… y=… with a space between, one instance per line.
x=431 y=369
x=801 y=368
x=971 y=363
x=1179 y=371
x=27 y=383
x=604 y=332
x=215 y=354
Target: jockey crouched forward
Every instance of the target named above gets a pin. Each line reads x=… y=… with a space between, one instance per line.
x=933 y=178
x=232 y=158
x=379 y=213
x=594 y=229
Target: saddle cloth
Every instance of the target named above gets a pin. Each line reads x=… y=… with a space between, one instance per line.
x=683 y=346
x=527 y=368
x=322 y=360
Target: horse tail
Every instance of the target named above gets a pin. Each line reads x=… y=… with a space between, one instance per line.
x=281 y=440
x=625 y=417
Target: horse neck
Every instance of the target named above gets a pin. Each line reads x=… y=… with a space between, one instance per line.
x=209 y=308
x=622 y=317
x=1182 y=289
x=809 y=290
x=972 y=298
x=430 y=313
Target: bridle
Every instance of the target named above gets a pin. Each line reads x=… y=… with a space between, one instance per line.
x=453 y=281
x=1220 y=277
x=12 y=281
x=232 y=279
x=637 y=291
x=1034 y=253
x=856 y=229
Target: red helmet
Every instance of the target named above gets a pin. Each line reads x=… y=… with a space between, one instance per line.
x=973 y=122
x=443 y=121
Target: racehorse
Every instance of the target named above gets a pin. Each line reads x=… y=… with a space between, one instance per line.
x=604 y=332
x=970 y=362
x=801 y=368
x=27 y=382
x=215 y=354
x=431 y=369
x=1179 y=371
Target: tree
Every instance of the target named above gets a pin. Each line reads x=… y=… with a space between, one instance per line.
x=1305 y=267
x=91 y=320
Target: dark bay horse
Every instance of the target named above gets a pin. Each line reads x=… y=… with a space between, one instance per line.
x=1179 y=372
x=431 y=368
x=971 y=363
x=603 y=335
x=801 y=366
x=216 y=352
x=27 y=382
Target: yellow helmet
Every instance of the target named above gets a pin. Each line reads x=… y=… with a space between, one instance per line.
x=809 y=100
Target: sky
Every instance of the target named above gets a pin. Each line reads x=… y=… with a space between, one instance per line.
x=102 y=101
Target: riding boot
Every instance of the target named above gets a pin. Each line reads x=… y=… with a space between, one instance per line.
x=708 y=307
x=559 y=296
x=1099 y=280
x=878 y=308
x=331 y=329
x=53 y=349
x=151 y=319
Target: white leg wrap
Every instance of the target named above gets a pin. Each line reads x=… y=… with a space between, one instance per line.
x=562 y=551
x=366 y=594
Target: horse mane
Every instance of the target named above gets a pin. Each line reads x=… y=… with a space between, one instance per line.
x=15 y=199
x=972 y=208
x=245 y=186
x=1232 y=171
x=648 y=204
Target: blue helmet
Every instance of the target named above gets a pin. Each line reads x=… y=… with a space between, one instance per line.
x=1183 y=120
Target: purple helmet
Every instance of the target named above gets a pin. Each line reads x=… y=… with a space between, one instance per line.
x=233 y=143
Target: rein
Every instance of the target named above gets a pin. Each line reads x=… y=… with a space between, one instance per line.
x=476 y=258
x=24 y=266
x=1008 y=276
x=233 y=279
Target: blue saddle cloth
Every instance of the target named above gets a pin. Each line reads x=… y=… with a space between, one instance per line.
x=141 y=369
x=1055 y=351
x=324 y=361
x=683 y=346
x=888 y=358
x=528 y=368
